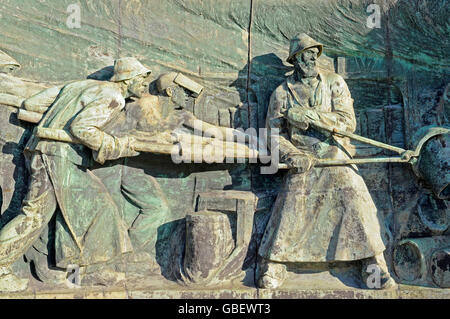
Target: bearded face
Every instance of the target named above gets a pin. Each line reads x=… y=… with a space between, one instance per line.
x=179 y=96
x=138 y=85
x=305 y=63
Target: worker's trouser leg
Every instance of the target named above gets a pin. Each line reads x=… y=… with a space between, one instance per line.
x=37 y=209
x=270 y=274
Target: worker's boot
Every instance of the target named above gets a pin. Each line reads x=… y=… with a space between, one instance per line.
x=375 y=273
x=10 y=282
x=270 y=275
x=44 y=272
x=100 y=275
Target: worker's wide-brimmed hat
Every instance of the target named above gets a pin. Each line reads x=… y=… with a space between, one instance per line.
x=300 y=43
x=128 y=68
x=5 y=59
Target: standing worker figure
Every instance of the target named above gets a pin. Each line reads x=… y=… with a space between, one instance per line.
x=321 y=214
x=89 y=229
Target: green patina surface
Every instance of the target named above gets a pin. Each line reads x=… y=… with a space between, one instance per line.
x=405 y=62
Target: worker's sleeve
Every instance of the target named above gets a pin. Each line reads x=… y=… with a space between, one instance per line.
x=277 y=125
x=343 y=116
x=88 y=126
x=300 y=117
x=41 y=101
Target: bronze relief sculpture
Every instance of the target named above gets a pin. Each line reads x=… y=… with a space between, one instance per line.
x=120 y=186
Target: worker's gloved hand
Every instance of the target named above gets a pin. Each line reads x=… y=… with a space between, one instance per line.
x=302 y=117
x=127 y=146
x=115 y=147
x=301 y=161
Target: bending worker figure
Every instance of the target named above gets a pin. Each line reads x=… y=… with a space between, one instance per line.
x=89 y=229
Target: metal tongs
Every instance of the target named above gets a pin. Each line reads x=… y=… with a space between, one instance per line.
x=406 y=156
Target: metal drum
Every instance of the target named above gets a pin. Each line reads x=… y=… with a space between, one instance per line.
x=433 y=164
x=440 y=267
x=415 y=261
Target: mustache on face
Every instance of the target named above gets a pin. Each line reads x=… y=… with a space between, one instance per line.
x=308 y=64
x=308 y=69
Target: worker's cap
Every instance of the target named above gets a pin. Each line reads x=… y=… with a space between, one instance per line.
x=300 y=43
x=168 y=79
x=128 y=68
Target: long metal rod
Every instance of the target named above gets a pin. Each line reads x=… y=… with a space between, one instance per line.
x=34 y=117
x=63 y=136
x=364 y=140
x=338 y=162
x=11 y=100
x=161 y=148
x=335 y=162
x=28 y=116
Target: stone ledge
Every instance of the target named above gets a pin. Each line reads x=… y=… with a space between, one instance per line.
x=402 y=292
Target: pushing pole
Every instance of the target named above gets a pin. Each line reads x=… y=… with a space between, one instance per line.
x=361 y=139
